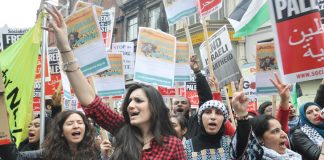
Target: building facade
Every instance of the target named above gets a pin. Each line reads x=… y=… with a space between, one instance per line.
x=132 y=14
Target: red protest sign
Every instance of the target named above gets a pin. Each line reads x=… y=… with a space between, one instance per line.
x=51 y=86
x=192 y=94
x=299 y=39
x=38 y=70
x=170 y=91
x=206 y=7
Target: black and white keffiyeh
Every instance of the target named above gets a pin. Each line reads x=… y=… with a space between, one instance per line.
x=312 y=134
x=212 y=104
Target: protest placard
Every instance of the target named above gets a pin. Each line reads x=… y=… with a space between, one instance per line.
x=38 y=69
x=207 y=7
x=299 y=39
x=10 y=36
x=112 y=81
x=155 y=57
x=85 y=39
x=170 y=92
x=222 y=56
x=249 y=85
x=192 y=94
x=182 y=67
x=54 y=60
x=127 y=48
x=176 y=10
x=106 y=23
x=266 y=65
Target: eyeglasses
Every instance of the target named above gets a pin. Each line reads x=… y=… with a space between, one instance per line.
x=182 y=102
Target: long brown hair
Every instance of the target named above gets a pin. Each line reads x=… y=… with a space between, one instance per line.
x=56 y=147
x=129 y=140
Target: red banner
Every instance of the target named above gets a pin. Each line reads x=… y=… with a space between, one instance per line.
x=206 y=7
x=192 y=94
x=299 y=40
x=38 y=70
x=171 y=91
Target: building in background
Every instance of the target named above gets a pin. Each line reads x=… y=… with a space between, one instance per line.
x=132 y=14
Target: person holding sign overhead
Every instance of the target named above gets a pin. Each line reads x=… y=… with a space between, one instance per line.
x=144 y=131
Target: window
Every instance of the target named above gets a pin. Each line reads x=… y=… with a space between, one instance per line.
x=218 y=15
x=193 y=19
x=172 y=29
x=132 y=29
x=154 y=15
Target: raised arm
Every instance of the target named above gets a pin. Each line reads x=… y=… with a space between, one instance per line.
x=284 y=93
x=203 y=88
x=92 y=105
x=82 y=88
x=243 y=130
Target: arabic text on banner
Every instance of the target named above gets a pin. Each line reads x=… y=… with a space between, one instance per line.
x=155 y=57
x=224 y=63
x=182 y=67
x=112 y=81
x=127 y=48
x=86 y=41
x=299 y=39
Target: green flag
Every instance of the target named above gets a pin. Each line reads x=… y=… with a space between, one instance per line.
x=18 y=64
x=248 y=16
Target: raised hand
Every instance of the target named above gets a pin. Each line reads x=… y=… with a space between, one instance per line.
x=194 y=64
x=240 y=101
x=214 y=85
x=283 y=90
x=105 y=148
x=58 y=26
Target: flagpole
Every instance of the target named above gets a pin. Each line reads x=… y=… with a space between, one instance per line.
x=43 y=55
x=210 y=63
x=188 y=37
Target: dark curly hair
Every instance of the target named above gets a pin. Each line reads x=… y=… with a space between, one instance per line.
x=56 y=147
x=129 y=139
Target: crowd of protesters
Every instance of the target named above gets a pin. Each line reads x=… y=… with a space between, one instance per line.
x=147 y=129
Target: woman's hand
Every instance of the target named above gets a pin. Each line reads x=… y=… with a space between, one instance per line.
x=214 y=85
x=240 y=101
x=105 y=148
x=283 y=90
x=58 y=26
x=194 y=64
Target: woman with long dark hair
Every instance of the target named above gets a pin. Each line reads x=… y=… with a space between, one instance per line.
x=71 y=137
x=144 y=131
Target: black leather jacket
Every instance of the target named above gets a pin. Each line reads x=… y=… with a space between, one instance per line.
x=301 y=144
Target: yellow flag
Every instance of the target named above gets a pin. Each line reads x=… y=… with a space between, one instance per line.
x=18 y=64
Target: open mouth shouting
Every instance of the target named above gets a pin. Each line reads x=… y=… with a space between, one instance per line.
x=212 y=125
x=76 y=134
x=282 y=144
x=180 y=109
x=133 y=114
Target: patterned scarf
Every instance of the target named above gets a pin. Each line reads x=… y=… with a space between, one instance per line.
x=312 y=134
x=270 y=154
x=304 y=120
